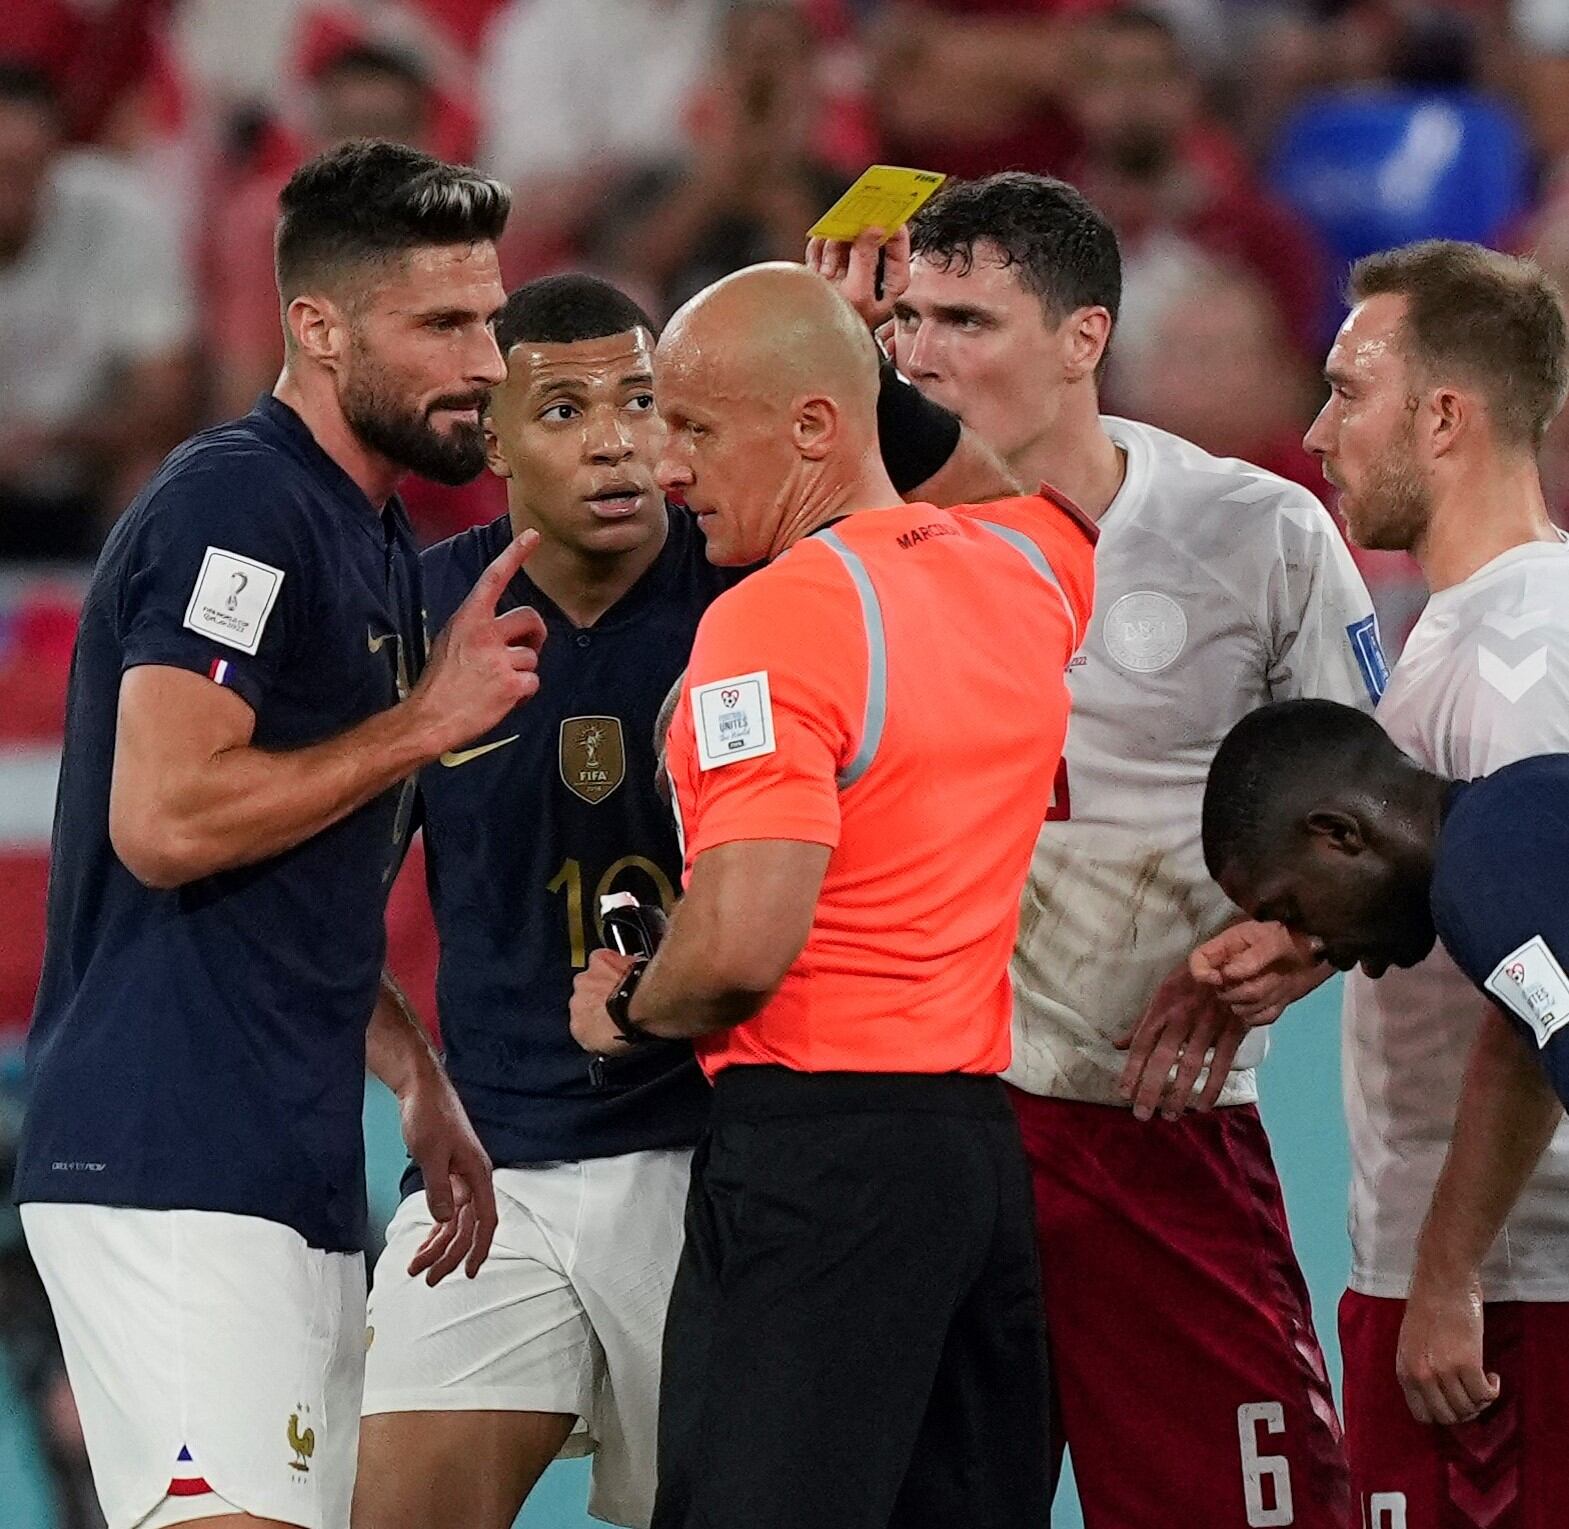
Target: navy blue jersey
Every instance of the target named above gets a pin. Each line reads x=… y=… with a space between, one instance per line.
x=204 y=1048
x=1498 y=898
x=526 y=828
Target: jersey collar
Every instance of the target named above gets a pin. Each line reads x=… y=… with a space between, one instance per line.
x=389 y=521
x=650 y=586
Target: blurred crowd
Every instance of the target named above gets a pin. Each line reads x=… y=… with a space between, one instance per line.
x=1246 y=151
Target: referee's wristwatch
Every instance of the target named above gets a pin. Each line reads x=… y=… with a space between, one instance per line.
x=619 y=1006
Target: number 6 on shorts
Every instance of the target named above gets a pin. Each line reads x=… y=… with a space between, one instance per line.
x=1257 y=1468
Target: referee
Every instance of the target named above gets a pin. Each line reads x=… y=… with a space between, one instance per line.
x=855 y=1334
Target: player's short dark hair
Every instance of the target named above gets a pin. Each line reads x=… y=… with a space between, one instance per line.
x=560 y=310
x=24 y=85
x=1065 y=251
x=1477 y=316
x=368 y=200
x=378 y=58
x=1272 y=761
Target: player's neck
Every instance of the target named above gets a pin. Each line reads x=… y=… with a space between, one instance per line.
x=316 y=403
x=584 y=586
x=831 y=494
x=1481 y=515
x=1076 y=457
x=1418 y=816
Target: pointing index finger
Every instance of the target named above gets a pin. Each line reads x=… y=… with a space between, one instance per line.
x=492 y=583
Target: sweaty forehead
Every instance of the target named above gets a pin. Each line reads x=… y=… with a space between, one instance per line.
x=987 y=279
x=432 y=277
x=1369 y=342
x=696 y=372
x=538 y=365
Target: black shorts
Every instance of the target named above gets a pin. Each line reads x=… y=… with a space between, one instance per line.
x=855 y=1337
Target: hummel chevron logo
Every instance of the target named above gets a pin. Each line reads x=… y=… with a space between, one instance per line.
x=455 y=757
x=1515 y=626
x=1512 y=681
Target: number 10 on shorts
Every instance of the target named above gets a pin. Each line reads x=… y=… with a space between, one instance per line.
x=1266 y=1479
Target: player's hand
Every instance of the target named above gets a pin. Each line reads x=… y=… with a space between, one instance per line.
x=592 y=1027
x=852 y=268
x=1259 y=969
x=482 y=664
x=1439 y=1358
x=457 y=1173
x=1184 y=1029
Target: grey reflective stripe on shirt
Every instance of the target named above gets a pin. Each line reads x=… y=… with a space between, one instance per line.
x=876 y=660
x=1038 y=561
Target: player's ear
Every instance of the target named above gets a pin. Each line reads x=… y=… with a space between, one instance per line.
x=1448 y=415
x=1088 y=333
x=318 y=329
x=1337 y=831
x=493 y=457
x=814 y=427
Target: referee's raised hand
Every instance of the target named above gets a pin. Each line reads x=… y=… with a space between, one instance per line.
x=483 y=664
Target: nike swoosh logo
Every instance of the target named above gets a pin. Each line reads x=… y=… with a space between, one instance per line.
x=453 y=758
x=376 y=644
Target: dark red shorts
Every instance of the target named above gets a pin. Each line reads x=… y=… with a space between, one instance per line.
x=1507 y=1470
x=1191 y=1391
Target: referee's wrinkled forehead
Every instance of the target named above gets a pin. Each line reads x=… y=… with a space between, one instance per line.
x=368 y=202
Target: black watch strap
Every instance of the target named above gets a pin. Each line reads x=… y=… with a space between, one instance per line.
x=619 y=1004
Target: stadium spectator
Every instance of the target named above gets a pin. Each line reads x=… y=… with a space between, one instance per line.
x=1209 y=363
x=972 y=86
x=752 y=181
x=367 y=91
x=574 y=92
x=1171 y=178
x=360 y=89
x=96 y=373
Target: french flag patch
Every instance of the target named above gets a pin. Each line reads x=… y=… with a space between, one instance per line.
x=221 y=671
x=186 y=1482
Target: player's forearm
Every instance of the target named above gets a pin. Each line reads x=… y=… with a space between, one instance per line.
x=247 y=804
x=1506 y=1117
x=397 y=1050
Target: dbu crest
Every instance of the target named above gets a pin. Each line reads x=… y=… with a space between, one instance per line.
x=593 y=756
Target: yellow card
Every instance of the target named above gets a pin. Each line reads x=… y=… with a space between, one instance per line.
x=885 y=197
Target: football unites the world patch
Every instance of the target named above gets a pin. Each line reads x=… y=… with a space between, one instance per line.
x=733 y=720
x=1531 y=984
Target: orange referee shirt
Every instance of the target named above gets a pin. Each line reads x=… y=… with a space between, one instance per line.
x=893 y=687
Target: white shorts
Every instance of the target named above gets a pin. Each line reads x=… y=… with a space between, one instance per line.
x=217 y=1361
x=566 y=1315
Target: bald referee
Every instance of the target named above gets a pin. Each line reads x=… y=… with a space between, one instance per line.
x=855 y=1334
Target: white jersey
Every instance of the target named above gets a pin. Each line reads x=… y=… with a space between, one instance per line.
x=1218 y=587
x=1483 y=681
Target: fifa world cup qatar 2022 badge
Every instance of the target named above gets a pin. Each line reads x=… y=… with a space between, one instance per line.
x=1145 y=631
x=232 y=598
x=592 y=756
